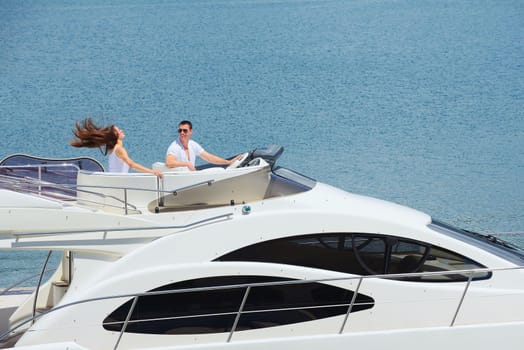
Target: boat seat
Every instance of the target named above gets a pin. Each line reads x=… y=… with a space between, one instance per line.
x=112 y=190
x=163 y=168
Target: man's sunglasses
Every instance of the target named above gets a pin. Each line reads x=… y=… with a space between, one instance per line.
x=185 y=131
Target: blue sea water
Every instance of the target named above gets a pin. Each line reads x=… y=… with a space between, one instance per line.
x=417 y=102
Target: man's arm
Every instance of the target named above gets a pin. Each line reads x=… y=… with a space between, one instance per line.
x=173 y=162
x=211 y=158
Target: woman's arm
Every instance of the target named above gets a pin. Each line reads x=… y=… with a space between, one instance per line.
x=122 y=154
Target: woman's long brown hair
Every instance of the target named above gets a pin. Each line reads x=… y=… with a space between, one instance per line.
x=88 y=134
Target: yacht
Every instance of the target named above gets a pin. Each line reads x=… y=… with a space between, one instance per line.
x=254 y=255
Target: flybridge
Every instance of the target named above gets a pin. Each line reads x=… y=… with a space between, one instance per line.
x=84 y=181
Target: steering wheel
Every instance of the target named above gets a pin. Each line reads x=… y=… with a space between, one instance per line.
x=238 y=161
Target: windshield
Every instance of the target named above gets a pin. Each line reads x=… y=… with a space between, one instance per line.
x=487 y=242
x=292 y=175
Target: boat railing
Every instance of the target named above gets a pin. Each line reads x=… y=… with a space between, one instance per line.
x=67 y=192
x=64 y=192
x=42 y=168
x=134 y=297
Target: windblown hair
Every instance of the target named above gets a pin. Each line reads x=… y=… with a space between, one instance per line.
x=88 y=134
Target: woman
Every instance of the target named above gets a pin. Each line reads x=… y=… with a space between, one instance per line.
x=88 y=134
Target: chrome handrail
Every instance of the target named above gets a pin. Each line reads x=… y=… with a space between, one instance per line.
x=350 y=307
x=195 y=185
x=470 y=277
x=40 y=282
x=249 y=286
x=237 y=317
x=120 y=229
x=131 y=309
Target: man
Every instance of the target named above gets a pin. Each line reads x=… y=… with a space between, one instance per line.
x=183 y=151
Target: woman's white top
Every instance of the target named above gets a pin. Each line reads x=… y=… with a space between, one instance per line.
x=117 y=165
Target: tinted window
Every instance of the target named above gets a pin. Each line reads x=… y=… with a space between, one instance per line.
x=214 y=310
x=360 y=254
